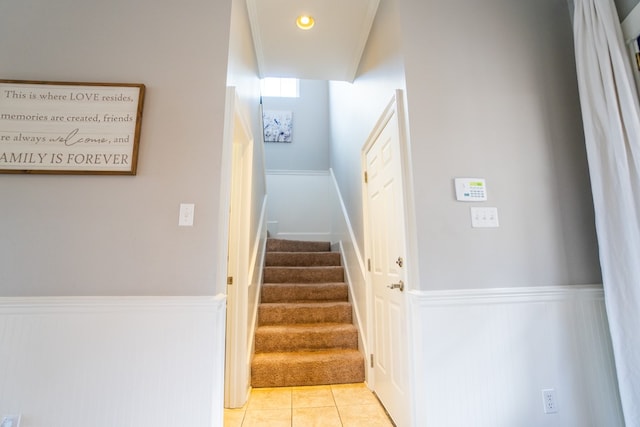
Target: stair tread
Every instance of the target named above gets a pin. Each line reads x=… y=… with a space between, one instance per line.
x=302 y=283
x=309 y=355
x=306 y=304
x=321 y=253
x=302 y=267
x=305 y=327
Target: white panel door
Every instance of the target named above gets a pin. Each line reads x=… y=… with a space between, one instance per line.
x=387 y=253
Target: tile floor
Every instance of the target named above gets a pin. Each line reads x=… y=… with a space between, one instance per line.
x=341 y=405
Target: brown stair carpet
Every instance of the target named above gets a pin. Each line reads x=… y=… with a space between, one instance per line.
x=305 y=333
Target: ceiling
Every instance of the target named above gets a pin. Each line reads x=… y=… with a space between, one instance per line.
x=331 y=50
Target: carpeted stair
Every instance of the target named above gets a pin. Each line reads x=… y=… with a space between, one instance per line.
x=305 y=333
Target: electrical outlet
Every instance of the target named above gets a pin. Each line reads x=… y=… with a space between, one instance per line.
x=549 y=401
x=10 y=421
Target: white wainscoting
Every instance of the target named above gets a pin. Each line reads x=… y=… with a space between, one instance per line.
x=111 y=361
x=482 y=358
x=299 y=205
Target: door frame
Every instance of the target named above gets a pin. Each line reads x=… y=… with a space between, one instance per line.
x=395 y=106
x=237 y=174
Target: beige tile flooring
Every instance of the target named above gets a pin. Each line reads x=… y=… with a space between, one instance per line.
x=341 y=405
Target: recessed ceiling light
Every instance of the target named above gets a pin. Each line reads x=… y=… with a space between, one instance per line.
x=305 y=22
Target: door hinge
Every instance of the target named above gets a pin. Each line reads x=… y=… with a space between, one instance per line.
x=229 y=280
x=372 y=360
x=366 y=177
x=369 y=264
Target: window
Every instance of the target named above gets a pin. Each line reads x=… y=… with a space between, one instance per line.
x=280 y=87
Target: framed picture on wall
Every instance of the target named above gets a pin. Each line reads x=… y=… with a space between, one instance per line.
x=69 y=128
x=277 y=125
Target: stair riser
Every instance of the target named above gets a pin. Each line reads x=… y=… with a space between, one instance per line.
x=296 y=373
x=302 y=259
x=303 y=275
x=266 y=342
x=301 y=314
x=304 y=292
x=276 y=245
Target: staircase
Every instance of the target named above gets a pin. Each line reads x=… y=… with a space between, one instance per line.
x=305 y=334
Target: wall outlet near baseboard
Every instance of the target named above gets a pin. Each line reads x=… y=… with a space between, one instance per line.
x=10 y=421
x=549 y=401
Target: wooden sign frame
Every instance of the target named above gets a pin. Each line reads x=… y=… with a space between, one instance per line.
x=70 y=128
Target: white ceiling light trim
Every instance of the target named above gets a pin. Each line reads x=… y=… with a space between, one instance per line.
x=305 y=22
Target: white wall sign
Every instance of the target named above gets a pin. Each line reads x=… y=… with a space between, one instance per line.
x=74 y=128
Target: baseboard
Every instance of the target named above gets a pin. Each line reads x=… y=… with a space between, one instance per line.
x=258 y=242
x=354 y=270
x=345 y=216
x=356 y=309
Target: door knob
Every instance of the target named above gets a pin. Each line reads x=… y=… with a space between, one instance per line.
x=399 y=285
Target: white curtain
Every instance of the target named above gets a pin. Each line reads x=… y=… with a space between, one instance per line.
x=611 y=117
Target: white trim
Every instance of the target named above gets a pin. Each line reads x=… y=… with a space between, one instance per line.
x=411 y=237
x=345 y=216
x=225 y=188
x=372 y=8
x=257 y=243
x=394 y=107
x=360 y=312
x=356 y=308
x=10 y=305
x=257 y=262
x=238 y=190
x=505 y=295
x=252 y=11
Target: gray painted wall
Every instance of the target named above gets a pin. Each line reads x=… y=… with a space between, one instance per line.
x=355 y=107
x=309 y=149
x=625 y=7
x=243 y=75
x=119 y=235
x=491 y=96
x=506 y=110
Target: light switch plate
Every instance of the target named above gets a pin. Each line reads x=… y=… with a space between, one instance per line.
x=484 y=218
x=186 y=215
